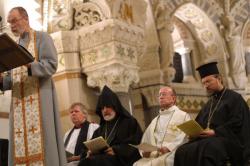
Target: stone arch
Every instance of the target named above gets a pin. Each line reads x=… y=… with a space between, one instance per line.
x=246 y=45
x=206 y=35
x=240 y=11
x=184 y=44
x=246 y=35
x=211 y=8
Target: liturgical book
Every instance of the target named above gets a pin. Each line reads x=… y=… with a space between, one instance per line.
x=145 y=147
x=191 y=128
x=12 y=55
x=96 y=145
x=69 y=154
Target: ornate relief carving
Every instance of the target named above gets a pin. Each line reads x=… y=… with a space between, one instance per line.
x=61 y=15
x=207 y=36
x=212 y=49
x=109 y=46
x=199 y=23
x=129 y=11
x=86 y=14
x=109 y=53
x=116 y=76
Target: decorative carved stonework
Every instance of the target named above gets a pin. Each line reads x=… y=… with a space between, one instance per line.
x=109 y=53
x=108 y=35
x=66 y=43
x=86 y=14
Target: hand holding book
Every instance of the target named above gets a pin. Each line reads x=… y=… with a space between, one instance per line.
x=96 y=145
x=145 y=147
x=191 y=128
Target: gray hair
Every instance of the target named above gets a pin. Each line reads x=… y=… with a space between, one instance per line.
x=83 y=108
x=21 y=11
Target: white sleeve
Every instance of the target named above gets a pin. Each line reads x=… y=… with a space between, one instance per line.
x=91 y=130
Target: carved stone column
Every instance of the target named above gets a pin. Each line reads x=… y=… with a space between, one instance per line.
x=111 y=41
x=70 y=83
x=187 y=66
x=109 y=38
x=109 y=52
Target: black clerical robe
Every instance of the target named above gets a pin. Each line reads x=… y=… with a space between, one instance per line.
x=119 y=133
x=231 y=123
x=126 y=131
x=80 y=147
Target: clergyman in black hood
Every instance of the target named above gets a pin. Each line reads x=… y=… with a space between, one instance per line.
x=119 y=129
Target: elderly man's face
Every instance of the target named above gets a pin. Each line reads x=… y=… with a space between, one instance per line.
x=17 y=22
x=166 y=97
x=108 y=113
x=77 y=116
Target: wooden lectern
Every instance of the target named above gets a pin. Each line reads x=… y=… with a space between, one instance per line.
x=12 y=55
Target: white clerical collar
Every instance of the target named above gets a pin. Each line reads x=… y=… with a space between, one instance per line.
x=167 y=111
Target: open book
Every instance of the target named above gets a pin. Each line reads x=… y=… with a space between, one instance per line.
x=96 y=145
x=191 y=128
x=145 y=147
x=69 y=154
x=12 y=55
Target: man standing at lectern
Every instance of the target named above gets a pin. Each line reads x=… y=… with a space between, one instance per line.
x=35 y=131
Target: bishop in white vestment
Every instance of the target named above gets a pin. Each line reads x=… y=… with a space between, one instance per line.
x=163 y=132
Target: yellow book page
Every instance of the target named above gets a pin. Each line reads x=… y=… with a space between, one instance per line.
x=145 y=147
x=96 y=145
x=191 y=128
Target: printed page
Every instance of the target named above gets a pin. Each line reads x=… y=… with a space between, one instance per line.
x=96 y=145
x=145 y=147
x=191 y=128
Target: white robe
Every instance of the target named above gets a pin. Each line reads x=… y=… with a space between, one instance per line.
x=73 y=139
x=164 y=127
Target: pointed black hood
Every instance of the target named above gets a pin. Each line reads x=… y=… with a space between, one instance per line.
x=108 y=98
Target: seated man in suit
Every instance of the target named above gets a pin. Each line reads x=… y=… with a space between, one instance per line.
x=119 y=129
x=82 y=131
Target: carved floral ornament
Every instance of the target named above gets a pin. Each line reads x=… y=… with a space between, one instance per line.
x=110 y=41
x=117 y=76
x=110 y=55
x=87 y=14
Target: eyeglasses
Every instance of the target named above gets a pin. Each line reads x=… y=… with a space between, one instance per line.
x=164 y=94
x=15 y=20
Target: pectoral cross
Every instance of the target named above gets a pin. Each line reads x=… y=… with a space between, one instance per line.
x=208 y=124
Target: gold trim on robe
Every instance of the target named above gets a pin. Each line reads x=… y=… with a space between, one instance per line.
x=27 y=120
